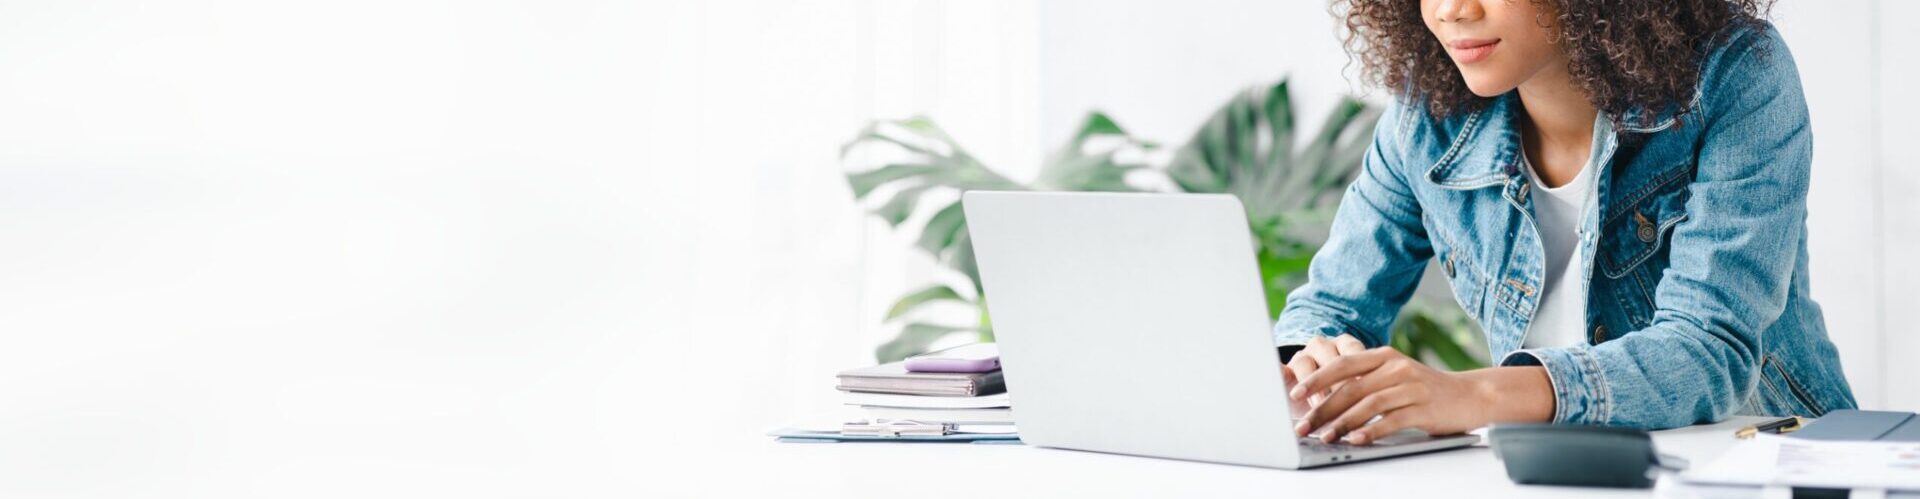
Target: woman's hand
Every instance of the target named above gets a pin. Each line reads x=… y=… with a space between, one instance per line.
x=1407 y=394
x=1319 y=351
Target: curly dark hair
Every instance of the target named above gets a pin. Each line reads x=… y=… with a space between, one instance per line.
x=1624 y=54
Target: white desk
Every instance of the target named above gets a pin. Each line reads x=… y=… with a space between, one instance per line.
x=903 y=471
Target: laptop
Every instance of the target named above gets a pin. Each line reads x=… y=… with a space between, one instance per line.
x=1137 y=324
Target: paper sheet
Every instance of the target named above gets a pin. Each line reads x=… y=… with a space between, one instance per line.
x=1777 y=460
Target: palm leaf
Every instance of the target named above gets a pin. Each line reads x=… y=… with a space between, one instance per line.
x=931 y=294
x=864 y=183
x=1247 y=148
x=1334 y=161
x=1424 y=333
x=913 y=340
x=1098 y=158
x=1094 y=160
x=943 y=229
x=933 y=163
x=933 y=159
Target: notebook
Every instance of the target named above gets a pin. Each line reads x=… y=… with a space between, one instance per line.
x=893 y=377
x=1001 y=415
x=1848 y=424
x=925 y=402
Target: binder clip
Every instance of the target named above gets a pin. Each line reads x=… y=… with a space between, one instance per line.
x=894 y=428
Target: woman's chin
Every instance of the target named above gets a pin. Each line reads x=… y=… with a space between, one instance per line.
x=1484 y=88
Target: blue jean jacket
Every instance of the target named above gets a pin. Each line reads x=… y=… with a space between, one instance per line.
x=1695 y=253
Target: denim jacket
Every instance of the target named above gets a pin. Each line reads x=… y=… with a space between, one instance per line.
x=1695 y=249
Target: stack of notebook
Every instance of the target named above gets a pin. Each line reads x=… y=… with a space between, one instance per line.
x=889 y=391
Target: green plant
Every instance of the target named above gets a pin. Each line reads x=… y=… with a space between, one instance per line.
x=1247 y=148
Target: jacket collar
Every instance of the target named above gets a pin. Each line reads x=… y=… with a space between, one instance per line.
x=1486 y=150
x=1643 y=120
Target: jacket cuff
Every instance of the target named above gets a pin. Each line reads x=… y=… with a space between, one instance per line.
x=1579 y=387
x=1292 y=339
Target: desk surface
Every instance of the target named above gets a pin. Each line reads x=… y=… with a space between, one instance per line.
x=877 y=470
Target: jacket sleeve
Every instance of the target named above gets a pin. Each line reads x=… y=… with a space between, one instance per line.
x=1732 y=260
x=1374 y=254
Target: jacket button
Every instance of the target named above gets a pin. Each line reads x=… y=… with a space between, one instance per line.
x=1522 y=195
x=1448 y=264
x=1599 y=334
x=1646 y=231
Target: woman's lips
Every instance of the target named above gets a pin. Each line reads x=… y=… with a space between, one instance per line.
x=1469 y=51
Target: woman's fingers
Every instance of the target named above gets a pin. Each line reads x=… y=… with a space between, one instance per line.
x=1335 y=404
x=1390 y=423
x=1319 y=351
x=1378 y=403
x=1346 y=344
x=1342 y=369
x=1301 y=367
x=1296 y=406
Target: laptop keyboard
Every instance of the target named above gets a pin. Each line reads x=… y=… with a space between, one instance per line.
x=1314 y=444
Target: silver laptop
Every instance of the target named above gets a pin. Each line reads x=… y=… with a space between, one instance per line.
x=1136 y=324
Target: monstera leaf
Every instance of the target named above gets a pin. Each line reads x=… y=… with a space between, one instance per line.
x=1248 y=148
x=1096 y=159
x=933 y=162
x=932 y=165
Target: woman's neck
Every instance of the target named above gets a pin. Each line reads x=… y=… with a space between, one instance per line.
x=1558 y=131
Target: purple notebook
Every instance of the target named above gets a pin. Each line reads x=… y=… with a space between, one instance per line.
x=975 y=358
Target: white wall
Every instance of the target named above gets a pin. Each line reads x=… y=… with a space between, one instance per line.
x=1833 y=43
x=1160 y=67
x=420 y=247
x=1897 y=180
x=428 y=248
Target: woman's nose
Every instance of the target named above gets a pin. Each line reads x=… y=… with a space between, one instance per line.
x=1453 y=11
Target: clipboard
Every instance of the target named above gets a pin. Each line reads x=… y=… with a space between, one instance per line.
x=894 y=431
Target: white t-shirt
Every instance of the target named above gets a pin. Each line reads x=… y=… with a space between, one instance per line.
x=1561 y=318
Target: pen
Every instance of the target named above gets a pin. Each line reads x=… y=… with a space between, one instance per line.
x=1782 y=426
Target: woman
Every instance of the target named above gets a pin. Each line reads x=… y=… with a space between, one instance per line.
x=1618 y=197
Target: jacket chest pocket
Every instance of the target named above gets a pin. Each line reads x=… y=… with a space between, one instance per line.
x=1456 y=263
x=1634 y=244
